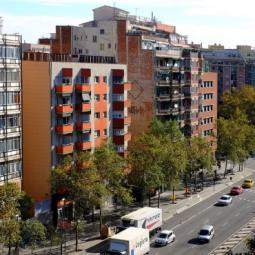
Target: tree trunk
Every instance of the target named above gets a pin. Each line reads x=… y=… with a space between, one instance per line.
x=17 y=249
x=239 y=166
x=9 y=249
x=195 y=182
x=100 y=219
x=92 y=214
x=226 y=166
x=76 y=236
x=173 y=196
x=149 y=196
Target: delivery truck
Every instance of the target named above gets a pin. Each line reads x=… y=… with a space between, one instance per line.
x=131 y=241
x=146 y=217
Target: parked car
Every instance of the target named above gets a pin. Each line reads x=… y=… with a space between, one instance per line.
x=206 y=233
x=236 y=190
x=248 y=183
x=225 y=200
x=165 y=237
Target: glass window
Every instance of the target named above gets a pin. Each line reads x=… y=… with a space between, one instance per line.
x=101 y=31
x=96 y=78
x=97 y=115
x=97 y=97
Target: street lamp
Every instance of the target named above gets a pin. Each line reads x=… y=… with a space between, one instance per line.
x=62 y=225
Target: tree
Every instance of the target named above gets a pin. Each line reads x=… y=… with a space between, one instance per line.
x=250 y=244
x=9 y=211
x=33 y=233
x=145 y=160
x=200 y=156
x=26 y=204
x=111 y=168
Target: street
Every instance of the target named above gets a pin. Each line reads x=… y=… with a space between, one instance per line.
x=226 y=220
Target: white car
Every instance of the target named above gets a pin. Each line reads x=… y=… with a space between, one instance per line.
x=165 y=237
x=225 y=200
x=206 y=233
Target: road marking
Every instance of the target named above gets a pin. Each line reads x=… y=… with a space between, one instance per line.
x=225 y=224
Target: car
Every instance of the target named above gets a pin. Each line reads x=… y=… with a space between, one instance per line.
x=248 y=183
x=165 y=237
x=236 y=190
x=225 y=200
x=206 y=233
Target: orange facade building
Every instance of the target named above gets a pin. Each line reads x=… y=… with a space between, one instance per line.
x=69 y=106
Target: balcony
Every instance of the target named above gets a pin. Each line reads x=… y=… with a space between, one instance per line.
x=120 y=105
x=64 y=149
x=83 y=88
x=84 y=107
x=64 y=129
x=118 y=123
x=83 y=126
x=120 y=88
x=120 y=139
x=64 y=109
x=85 y=145
x=64 y=89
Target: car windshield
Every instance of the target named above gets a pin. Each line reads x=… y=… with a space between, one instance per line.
x=224 y=198
x=162 y=235
x=204 y=232
x=247 y=181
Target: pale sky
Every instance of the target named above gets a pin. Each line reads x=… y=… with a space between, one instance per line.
x=229 y=22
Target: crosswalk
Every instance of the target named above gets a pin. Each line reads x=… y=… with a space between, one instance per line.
x=235 y=239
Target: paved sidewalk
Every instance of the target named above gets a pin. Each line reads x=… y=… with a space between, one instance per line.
x=92 y=242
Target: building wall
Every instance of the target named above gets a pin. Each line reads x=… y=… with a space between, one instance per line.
x=10 y=109
x=207 y=126
x=141 y=75
x=36 y=129
x=62 y=44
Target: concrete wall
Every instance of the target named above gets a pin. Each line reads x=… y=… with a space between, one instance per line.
x=36 y=129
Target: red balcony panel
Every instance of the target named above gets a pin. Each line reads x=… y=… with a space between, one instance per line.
x=64 y=149
x=120 y=105
x=120 y=139
x=82 y=126
x=119 y=123
x=64 y=109
x=83 y=145
x=67 y=72
x=120 y=88
x=85 y=72
x=118 y=72
x=84 y=107
x=64 y=89
x=64 y=129
x=82 y=88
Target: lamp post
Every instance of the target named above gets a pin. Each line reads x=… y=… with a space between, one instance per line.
x=62 y=225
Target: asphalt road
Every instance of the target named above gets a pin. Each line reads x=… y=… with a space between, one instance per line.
x=226 y=220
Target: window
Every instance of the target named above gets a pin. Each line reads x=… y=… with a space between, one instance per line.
x=80 y=51
x=101 y=46
x=9 y=98
x=109 y=46
x=97 y=133
x=105 y=114
x=105 y=79
x=97 y=115
x=9 y=75
x=97 y=97
x=101 y=31
x=105 y=131
x=105 y=96
x=96 y=78
x=94 y=38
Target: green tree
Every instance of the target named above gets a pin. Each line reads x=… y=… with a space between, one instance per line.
x=200 y=156
x=250 y=244
x=26 y=205
x=145 y=160
x=111 y=168
x=33 y=233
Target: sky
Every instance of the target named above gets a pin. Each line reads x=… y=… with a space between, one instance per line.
x=228 y=22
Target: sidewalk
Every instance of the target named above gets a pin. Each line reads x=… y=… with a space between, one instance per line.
x=92 y=244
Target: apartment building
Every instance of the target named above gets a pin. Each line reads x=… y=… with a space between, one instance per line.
x=69 y=107
x=208 y=108
x=10 y=109
x=164 y=71
x=229 y=65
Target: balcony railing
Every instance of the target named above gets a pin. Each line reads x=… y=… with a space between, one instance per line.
x=64 y=89
x=84 y=107
x=64 y=149
x=64 y=109
x=64 y=129
x=83 y=126
x=83 y=145
x=83 y=88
